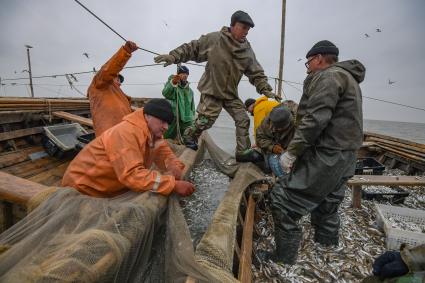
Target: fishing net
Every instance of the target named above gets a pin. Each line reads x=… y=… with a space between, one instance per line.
x=135 y=237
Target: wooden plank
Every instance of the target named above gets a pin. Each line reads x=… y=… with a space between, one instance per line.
x=52 y=176
x=15 y=157
x=73 y=118
x=386 y=180
x=20 y=133
x=357 y=196
x=245 y=273
x=18 y=190
x=369 y=134
x=30 y=168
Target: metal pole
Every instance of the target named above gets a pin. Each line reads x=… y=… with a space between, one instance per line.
x=29 y=69
x=282 y=47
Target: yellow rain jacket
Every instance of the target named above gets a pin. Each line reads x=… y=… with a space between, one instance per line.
x=122 y=159
x=262 y=108
x=108 y=103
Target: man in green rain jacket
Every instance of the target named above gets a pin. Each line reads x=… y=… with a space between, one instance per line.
x=321 y=157
x=229 y=56
x=178 y=92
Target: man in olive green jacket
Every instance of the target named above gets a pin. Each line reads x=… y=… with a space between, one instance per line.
x=229 y=56
x=178 y=92
x=322 y=155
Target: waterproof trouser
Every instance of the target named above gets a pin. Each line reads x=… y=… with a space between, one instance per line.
x=208 y=110
x=316 y=185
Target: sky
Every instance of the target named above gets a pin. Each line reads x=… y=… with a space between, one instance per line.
x=61 y=31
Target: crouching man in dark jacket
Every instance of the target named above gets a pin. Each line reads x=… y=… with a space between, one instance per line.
x=321 y=156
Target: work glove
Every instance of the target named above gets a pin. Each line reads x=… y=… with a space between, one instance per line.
x=388 y=265
x=277 y=149
x=287 y=161
x=176 y=79
x=175 y=171
x=168 y=59
x=270 y=94
x=130 y=46
x=184 y=188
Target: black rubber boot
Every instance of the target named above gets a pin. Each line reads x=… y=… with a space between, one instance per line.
x=287 y=245
x=326 y=240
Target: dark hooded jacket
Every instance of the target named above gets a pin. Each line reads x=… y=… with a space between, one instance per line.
x=227 y=60
x=330 y=110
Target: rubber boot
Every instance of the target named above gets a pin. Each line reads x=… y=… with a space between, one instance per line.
x=326 y=240
x=287 y=245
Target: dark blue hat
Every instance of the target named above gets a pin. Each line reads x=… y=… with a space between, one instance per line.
x=182 y=69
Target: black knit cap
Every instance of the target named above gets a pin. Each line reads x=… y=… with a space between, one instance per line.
x=241 y=17
x=280 y=116
x=182 y=69
x=159 y=108
x=249 y=102
x=323 y=47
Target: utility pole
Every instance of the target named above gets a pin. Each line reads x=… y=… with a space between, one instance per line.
x=282 y=47
x=29 y=69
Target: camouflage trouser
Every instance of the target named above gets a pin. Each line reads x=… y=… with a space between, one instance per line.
x=208 y=110
x=317 y=186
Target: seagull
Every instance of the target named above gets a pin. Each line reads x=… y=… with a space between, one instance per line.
x=366 y=35
x=23 y=71
x=86 y=54
x=378 y=30
x=390 y=82
x=165 y=23
x=299 y=59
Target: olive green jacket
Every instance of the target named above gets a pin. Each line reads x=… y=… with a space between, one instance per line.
x=330 y=110
x=266 y=138
x=227 y=60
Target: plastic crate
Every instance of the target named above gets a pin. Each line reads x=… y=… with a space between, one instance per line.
x=396 y=237
x=369 y=166
x=63 y=137
x=86 y=138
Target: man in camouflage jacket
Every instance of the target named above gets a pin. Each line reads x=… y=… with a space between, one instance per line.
x=229 y=56
x=322 y=155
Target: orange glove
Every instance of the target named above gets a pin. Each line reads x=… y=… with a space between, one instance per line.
x=176 y=79
x=277 y=149
x=176 y=172
x=130 y=46
x=184 y=188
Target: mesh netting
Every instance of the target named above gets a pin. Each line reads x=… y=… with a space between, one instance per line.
x=135 y=237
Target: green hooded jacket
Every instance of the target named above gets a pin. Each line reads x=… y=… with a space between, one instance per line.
x=330 y=110
x=183 y=96
x=227 y=60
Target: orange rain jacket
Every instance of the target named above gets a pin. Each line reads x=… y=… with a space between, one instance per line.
x=122 y=159
x=108 y=103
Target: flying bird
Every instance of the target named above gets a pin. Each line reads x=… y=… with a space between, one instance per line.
x=378 y=30
x=165 y=23
x=299 y=59
x=23 y=71
x=366 y=35
x=86 y=54
x=390 y=82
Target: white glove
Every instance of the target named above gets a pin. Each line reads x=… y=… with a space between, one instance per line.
x=286 y=161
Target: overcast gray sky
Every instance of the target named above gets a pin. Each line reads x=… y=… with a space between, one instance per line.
x=61 y=31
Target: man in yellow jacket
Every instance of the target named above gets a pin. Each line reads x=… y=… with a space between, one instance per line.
x=259 y=108
x=130 y=156
x=108 y=103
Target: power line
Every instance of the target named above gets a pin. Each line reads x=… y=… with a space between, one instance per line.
x=395 y=103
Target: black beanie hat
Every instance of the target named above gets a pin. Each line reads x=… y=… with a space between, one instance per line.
x=249 y=102
x=242 y=17
x=159 y=108
x=280 y=116
x=323 y=47
x=182 y=69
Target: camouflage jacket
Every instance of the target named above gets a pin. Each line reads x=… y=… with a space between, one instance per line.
x=227 y=60
x=266 y=138
x=330 y=110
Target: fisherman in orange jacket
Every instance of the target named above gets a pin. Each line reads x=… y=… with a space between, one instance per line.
x=108 y=103
x=123 y=158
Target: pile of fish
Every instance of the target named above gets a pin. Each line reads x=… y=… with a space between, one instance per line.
x=406 y=225
x=351 y=261
x=199 y=208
